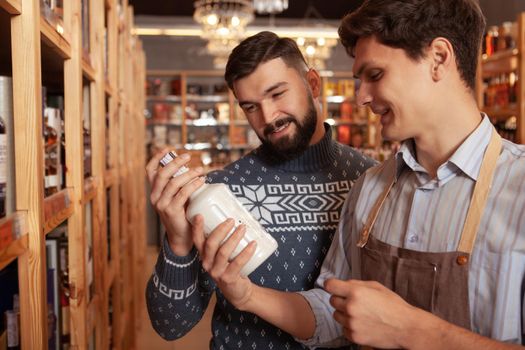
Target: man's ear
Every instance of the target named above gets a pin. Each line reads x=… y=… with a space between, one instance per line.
x=441 y=55
x=314 y=81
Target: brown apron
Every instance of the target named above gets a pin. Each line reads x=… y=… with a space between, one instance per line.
x=435 y=282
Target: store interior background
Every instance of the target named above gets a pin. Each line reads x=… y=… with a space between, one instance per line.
x=183 y=53
x=188 y=53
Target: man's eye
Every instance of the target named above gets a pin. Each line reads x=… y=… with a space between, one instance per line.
x=277 y=94
x=375 y=76
x=249 y=108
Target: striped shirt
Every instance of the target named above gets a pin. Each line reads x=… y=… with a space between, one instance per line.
x=427 y=214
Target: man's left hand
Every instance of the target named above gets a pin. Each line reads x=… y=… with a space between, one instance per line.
x=370 y=313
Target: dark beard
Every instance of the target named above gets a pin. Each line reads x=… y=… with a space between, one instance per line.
x=287 y=148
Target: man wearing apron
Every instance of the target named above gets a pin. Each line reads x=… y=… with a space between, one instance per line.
x=430 y=249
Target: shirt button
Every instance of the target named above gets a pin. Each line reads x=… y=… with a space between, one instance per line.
x=413 y=238
x=462 y=259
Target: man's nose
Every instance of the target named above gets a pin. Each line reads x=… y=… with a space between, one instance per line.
x=269 y=111
x=363 y=95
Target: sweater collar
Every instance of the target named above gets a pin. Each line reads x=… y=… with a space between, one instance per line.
x=314 y=158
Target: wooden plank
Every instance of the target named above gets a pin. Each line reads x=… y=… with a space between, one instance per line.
x=88 y=71
x=54 y=39
x=193 y=73
x=15 y=249
x=90 y=189
x=11 y=228
x=92 y=315
x=110 y=276
x=501 y=114
x=12 y=7
x=57 y=208
x=74 y=70
x=110 y=177
x=108 y=88
x=13 y=237
x=98 y=141
x=29 y=168
x=503 y=65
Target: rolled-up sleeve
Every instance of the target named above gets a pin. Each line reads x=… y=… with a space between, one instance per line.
x=329 y=333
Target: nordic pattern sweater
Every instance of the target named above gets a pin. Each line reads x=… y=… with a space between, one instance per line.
x=298 y=202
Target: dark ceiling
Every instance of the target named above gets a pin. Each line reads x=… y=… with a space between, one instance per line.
x=324 y=9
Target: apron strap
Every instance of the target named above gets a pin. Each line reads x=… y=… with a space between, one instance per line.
x=477 y=203
x=480 y=195
x=365 y=233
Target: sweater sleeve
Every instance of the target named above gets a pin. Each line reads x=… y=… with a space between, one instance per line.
x=178 y=293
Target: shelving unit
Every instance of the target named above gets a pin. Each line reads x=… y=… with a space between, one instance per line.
x=103 y=213
x=194 y=111
x=351 y=124
x=501 y=84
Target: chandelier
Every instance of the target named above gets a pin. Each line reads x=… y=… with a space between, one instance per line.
x=221 y=48
x=223 y=19
x=316 y=50
x=270 y=6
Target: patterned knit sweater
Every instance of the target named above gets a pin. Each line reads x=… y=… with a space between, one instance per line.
x=298 y=202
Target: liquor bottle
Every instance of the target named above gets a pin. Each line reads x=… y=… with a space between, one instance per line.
x=52 y=159
x=216 y=203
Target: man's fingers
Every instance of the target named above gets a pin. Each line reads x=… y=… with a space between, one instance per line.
x=197 y=230
x=240 y=260
x=227 y=248
x=341 y=318
x=213 y=242
x=153 y=164
x=338 y=287
x=181 y=191
x=339 y=303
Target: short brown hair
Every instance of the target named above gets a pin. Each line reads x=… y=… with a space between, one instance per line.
x=260 y=48
x=412 y=25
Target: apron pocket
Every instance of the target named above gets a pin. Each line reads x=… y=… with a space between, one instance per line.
x=415 y=282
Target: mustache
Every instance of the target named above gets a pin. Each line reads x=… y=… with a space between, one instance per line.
x=277 y=124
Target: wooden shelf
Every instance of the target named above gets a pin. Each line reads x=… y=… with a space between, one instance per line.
x=500 y=55
x=501 y=113
x=500 y=65
x=87 y=70
x=13 y=237
x=108 y=88
x=110 y=276
x=190 y=98
x=44 y=49
x=13 y=7
x=503 y=64
x=90 y=189
x=195 y=122
x=13 y=251
x=110 y=177
x=92 y=314
x=55 y=40
x=57 y=208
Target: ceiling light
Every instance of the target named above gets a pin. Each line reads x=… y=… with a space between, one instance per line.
x=223 y=18
x=270 y=6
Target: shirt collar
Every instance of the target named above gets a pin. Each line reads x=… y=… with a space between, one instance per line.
x=467 y=157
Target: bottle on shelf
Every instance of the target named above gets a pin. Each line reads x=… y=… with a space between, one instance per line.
x=6 y=112
x=51 y=151
x=12 y=324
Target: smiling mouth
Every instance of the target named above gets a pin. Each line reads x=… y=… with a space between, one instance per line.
x=280 y=128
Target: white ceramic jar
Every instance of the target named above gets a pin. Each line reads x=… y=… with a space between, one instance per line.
x=216 y=203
